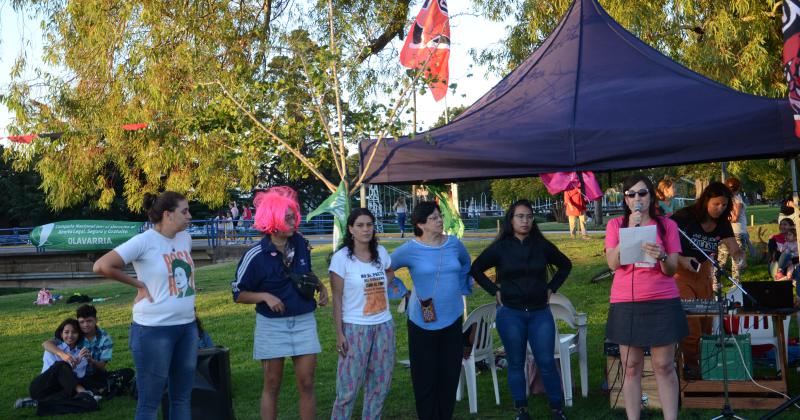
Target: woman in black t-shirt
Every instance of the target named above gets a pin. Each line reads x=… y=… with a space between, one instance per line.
x=706 y=223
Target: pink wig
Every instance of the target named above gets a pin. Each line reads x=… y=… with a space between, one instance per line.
x=271 y=207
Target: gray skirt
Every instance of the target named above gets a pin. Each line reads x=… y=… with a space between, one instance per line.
x=276 y=338
x=647 y=323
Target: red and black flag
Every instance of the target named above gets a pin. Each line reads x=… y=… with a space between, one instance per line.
x=428 y=45
x=791 y=56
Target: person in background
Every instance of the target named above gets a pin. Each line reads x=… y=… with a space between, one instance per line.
x=247 y=216
x=665 y=193
x=285 y=323
x=575 y=208
x=163 y=335
x=234 y=209
x=777 y=242
x=230 y=229
x=520 y=256
x=707 y=223
x=787 y=262
x=645 y=310
x=364 y=326
x=439 y=266
x=59 y=378
x=738 y=219
x=96 y=346
x=401 y=210
x=203 y=338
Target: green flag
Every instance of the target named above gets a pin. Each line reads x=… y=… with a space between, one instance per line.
x=338 y=205
x=452 y=220
x=84 y=235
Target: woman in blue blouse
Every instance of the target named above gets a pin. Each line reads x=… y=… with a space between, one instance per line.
x=439 y=267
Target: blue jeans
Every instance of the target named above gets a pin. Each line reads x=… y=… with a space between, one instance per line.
x=164 y=356
x=401 y=222
x=517 y=328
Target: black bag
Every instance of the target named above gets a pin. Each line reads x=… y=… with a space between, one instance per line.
x=81 y=403
x=78 y=298
x=305 y=284
x=120 y=382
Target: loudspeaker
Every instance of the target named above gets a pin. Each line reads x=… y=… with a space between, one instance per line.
x=211 y=392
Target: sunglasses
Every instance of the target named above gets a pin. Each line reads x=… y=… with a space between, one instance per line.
x=642 y=193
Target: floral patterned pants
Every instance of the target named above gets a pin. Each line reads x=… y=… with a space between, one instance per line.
x=369 y=361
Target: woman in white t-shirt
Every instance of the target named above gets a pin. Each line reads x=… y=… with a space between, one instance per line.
x=360 y=273
x=163 y=335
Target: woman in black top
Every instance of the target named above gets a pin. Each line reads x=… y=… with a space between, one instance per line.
x=521 y=255
x=706 y=223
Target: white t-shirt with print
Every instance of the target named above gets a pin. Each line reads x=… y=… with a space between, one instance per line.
x=165 y=265
x=365 y=300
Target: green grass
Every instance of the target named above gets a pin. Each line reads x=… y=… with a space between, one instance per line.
x=25 y=326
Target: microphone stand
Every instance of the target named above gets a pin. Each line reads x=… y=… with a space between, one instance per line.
x=727 y=410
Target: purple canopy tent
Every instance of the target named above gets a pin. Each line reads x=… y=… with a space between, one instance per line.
x=591 y=97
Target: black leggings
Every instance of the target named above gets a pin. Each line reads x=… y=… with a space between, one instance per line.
x=435 y=366
x=58 y=381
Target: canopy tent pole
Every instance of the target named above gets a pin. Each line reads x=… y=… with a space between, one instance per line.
x=793 y=166
x=454 y=199
x=724 y=174
x=363 y=191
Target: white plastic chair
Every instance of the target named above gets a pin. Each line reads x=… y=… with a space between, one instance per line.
x=570 y=343
x=482 y=349
x=760 y=328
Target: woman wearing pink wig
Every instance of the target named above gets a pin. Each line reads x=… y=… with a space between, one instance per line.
x=285 y=324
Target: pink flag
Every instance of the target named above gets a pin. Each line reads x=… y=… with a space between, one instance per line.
x=27 y=138
x=134 y=127
x=562 y=181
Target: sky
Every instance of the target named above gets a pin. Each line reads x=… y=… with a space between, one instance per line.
x=18 y=32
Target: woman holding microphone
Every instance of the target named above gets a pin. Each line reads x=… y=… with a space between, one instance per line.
x=645 y=308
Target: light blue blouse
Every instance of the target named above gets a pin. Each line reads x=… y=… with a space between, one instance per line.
x=450 y=263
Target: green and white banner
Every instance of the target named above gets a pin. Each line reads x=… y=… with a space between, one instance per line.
x=339 y=206
x=84 y=235
x=453 y=225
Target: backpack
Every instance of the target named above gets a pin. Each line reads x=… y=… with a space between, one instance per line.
x=81 y=403
x=78 y=298
x=120 y=382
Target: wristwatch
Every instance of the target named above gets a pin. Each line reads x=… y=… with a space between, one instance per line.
x=663 y=257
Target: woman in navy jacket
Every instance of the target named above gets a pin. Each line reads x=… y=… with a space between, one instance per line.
x=285 y=324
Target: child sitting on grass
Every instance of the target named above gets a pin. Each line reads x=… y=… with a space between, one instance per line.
x=789 y=256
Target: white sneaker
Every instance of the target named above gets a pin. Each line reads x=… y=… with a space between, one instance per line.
x=25 y=402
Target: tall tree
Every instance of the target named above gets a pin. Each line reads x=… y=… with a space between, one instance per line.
x=230 y=89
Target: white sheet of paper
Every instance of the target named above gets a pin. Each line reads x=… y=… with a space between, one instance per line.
x=630 y=245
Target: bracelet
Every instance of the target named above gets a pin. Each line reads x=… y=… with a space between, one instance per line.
x=663 y=257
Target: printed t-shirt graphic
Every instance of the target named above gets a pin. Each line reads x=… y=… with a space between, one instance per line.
x=181 y=279
x=374 y=292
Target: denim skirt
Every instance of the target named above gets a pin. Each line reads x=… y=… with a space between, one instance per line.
x=647 y=323
x=285 y=337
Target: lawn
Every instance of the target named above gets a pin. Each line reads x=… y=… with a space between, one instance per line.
x=25 y=326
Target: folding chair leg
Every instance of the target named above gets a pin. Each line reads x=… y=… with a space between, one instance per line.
x=584 y=367
x=472 y=392
x=496 y=388
x=566 y=376
x=460 y=383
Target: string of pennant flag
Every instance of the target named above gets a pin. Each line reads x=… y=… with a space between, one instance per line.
x=28 y=138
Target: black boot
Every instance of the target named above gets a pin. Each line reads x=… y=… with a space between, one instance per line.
x=522 y=414
x=558 y=414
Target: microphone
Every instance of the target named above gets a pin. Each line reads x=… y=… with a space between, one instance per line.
x=637 y=209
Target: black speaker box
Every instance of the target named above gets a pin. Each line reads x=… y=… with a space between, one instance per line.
x=211 y=392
